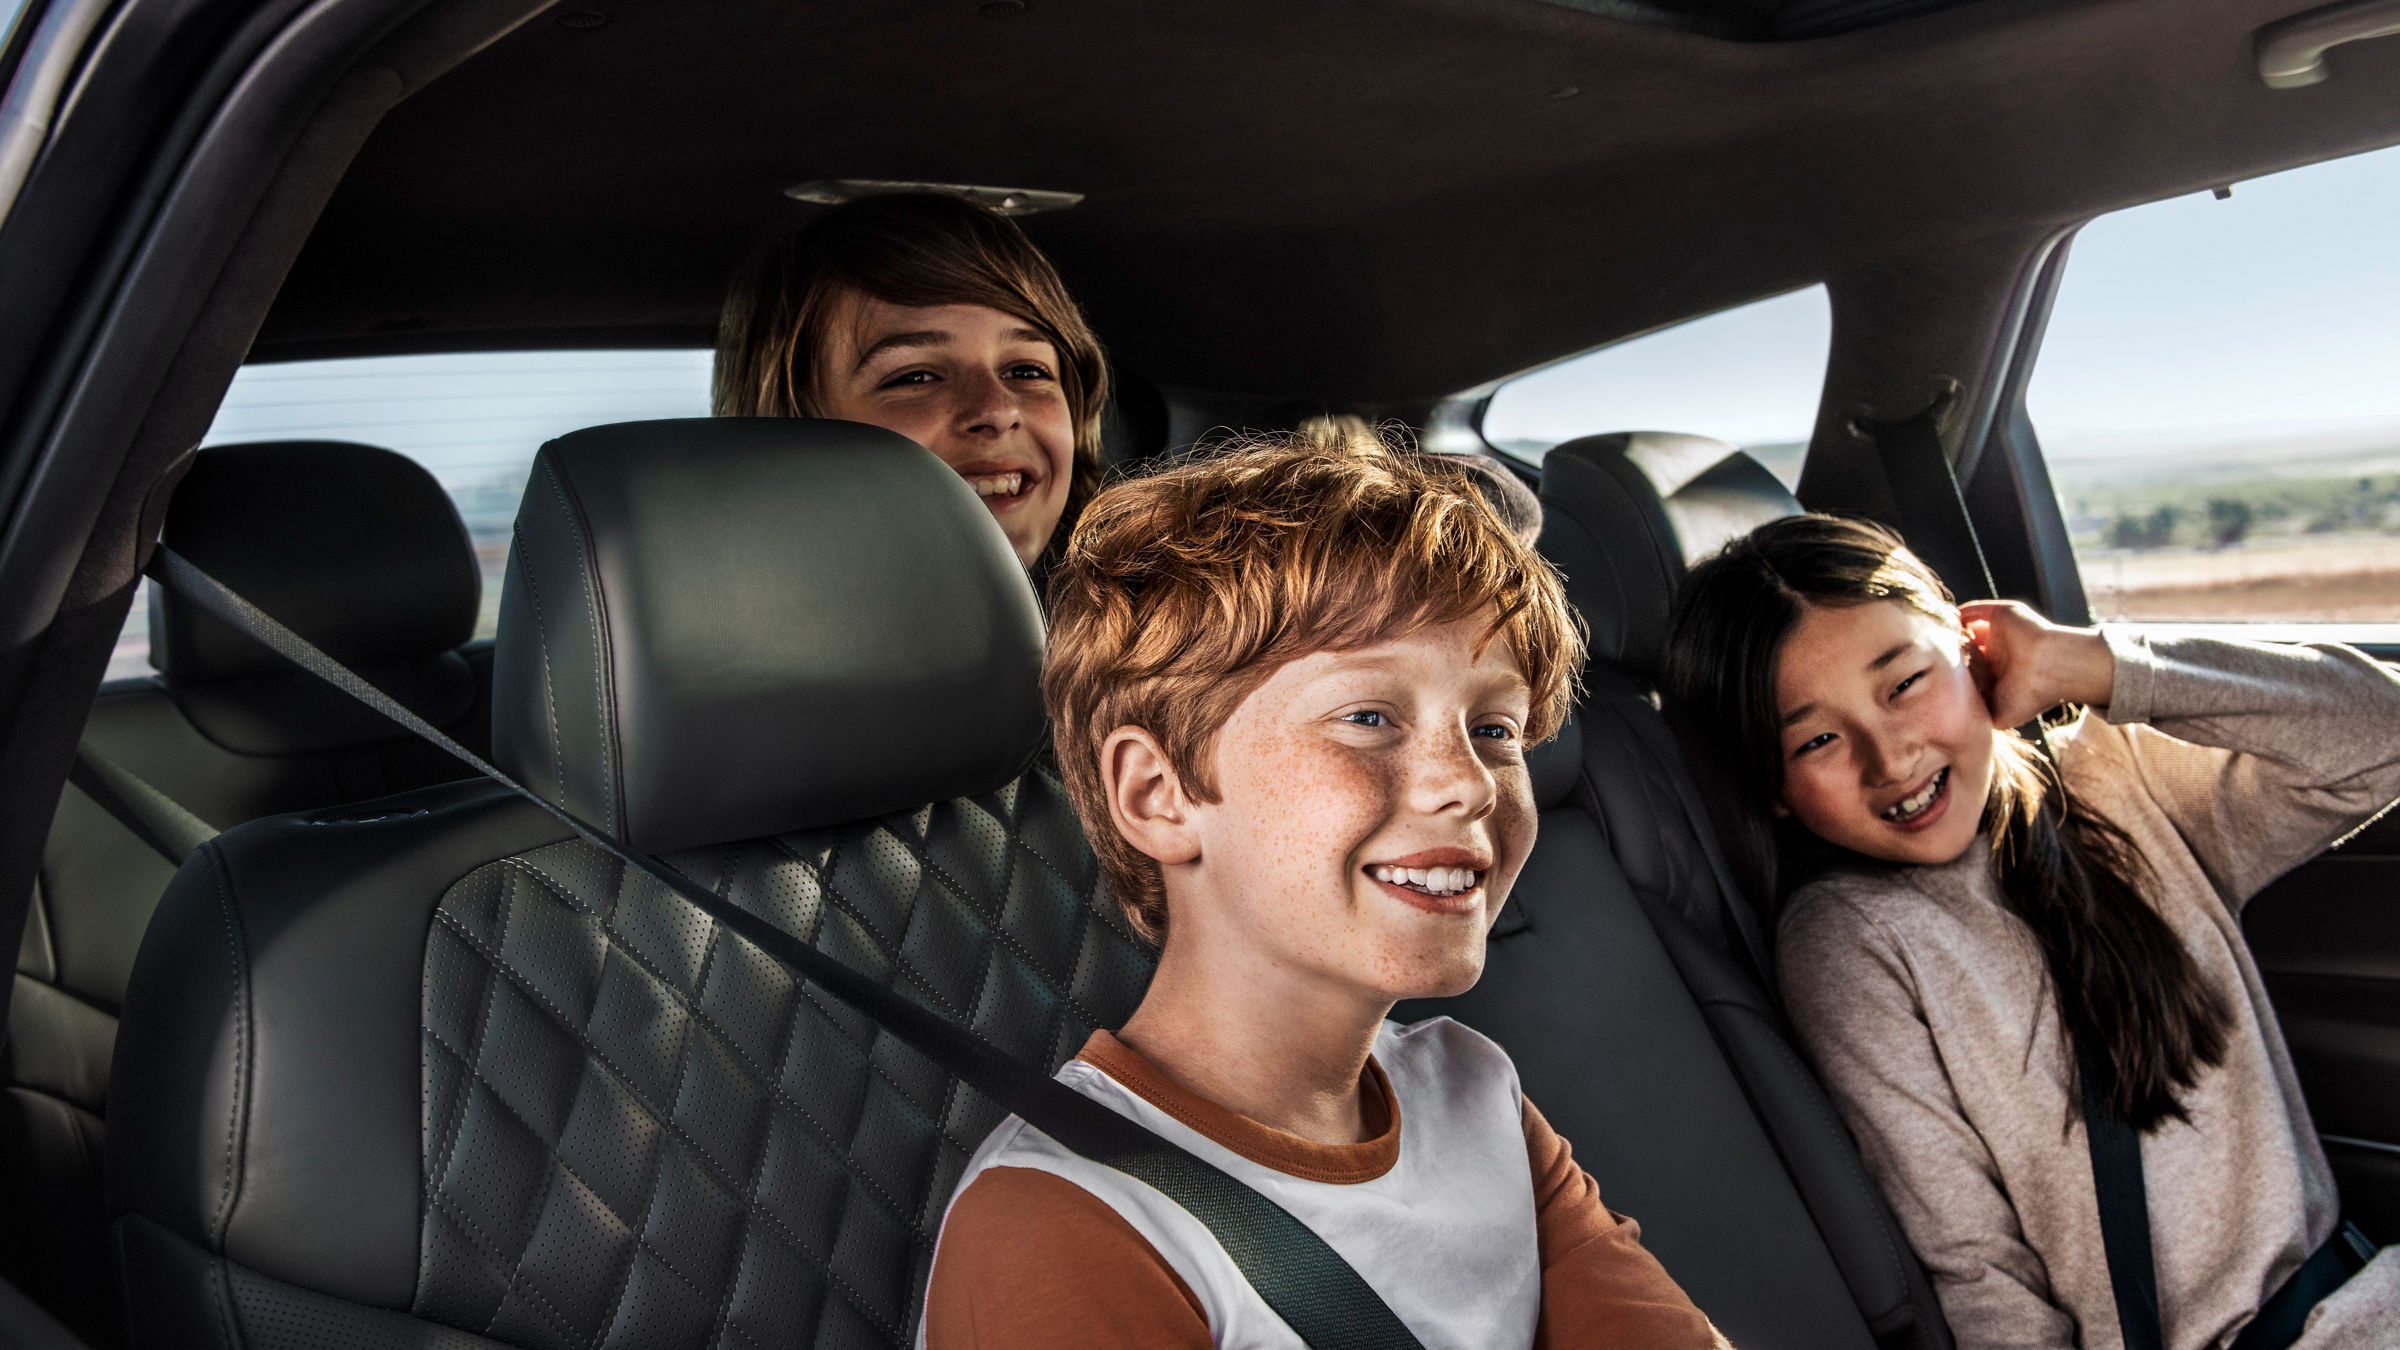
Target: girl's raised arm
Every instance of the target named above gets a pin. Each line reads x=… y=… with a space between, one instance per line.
x=2261 y=754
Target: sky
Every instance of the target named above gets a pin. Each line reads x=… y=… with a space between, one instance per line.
x=1750 y=375
x=469 y=418
x=2191 y=322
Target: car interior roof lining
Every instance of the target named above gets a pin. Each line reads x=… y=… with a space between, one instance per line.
x=1282 y=199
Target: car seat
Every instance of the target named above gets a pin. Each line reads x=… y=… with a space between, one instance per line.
x=1655 y=916
x=432 y=1072
x=362 y=550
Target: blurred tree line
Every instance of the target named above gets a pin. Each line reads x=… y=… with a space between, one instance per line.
x=2223 y=515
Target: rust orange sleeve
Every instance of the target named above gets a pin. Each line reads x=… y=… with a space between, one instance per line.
x=1600 y=1286
x=1030 y=1259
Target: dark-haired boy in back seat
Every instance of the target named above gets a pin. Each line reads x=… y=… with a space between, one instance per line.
x=1293 y=686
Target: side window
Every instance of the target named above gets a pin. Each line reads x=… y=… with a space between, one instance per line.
x=2218 y=399
x=1752 y=375
x=473 y=419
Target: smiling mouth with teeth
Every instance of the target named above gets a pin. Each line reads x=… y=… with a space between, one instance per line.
x=1910 y=807
x=997 y=485
x=1437 y=881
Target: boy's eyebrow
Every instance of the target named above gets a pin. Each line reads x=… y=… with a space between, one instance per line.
x=1797 y=713
x=936 y=338
x=927 y=338
x=1345 y=663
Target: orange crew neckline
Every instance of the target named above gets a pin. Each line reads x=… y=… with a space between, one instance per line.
x=1335 y=1164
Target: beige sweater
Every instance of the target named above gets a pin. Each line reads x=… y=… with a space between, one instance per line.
x=1925 y=1005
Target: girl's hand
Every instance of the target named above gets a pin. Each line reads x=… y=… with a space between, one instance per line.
x=2027 y=665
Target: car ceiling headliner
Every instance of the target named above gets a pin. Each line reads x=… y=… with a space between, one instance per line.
x=1368 y=203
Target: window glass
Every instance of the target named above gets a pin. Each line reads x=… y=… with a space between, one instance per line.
x=1751 y=375
x=2218 y=400
x=474 y=420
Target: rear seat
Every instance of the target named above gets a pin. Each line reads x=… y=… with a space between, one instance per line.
x=734 y=1155
x=1634 y=949
x=360 y=549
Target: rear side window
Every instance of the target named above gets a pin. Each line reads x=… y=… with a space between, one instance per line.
x=1752 y=375
x=2218 y=399
x=475 y=420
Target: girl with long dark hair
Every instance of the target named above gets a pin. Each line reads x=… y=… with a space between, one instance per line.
x=1978 y=933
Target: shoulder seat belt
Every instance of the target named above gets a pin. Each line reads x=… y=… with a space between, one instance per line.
x=160 y=821
x=1305 y=1281
x=1925 y=487
x=1926 y=491
x=2124 y=1215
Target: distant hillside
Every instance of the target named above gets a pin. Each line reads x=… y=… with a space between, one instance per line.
x=2355 y=452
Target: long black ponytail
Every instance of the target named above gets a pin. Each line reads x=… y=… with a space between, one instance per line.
x=2126 y=989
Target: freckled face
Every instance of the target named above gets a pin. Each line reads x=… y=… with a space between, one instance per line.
x=1887 y=743
x=977 y=387
x=1375 y=811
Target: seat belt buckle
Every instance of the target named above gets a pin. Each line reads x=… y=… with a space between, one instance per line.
x=2356 y=1245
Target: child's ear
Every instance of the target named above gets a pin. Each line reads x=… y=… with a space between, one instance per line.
x=1145 y=797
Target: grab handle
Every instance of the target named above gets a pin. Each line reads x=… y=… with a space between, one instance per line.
x=2291 y=52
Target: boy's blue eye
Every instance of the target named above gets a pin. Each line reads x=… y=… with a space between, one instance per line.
x=1498 y=731
x=1366 y=718
x=1027 y=370
x=909 y=377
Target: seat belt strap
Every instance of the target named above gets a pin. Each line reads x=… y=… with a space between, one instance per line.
x=155 y=818
x=1925 y=488
x=1308 y=1284
x=1926 y=491
x=2124 y=1217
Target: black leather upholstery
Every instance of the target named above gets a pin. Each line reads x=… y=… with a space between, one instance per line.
x=454 y=1077
x=272 y=961
x=272 y=520
x=1642 y=507
x=599 y=1111
x=1624 y=515
x=356 y=548
x=231 y=743
x=690 y=648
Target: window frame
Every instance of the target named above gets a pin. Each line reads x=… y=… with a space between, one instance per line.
x=1470 y=408
x=2011 y=460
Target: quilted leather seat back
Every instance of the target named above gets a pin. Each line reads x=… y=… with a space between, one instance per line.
x=641 y=1131
x=433 y=1073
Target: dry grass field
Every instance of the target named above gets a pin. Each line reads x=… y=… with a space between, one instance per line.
x=2336 y=578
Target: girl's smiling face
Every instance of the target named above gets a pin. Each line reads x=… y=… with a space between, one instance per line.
x=1886 y=741
x=977 y=387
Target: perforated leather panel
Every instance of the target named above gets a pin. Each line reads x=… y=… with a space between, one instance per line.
x=640 y=1131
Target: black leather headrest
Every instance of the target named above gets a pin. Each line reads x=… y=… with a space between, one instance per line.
x=1624 y=515
x=358 y=549
x=721 y=629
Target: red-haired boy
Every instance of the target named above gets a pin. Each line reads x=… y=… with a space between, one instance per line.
x=1293 y=687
